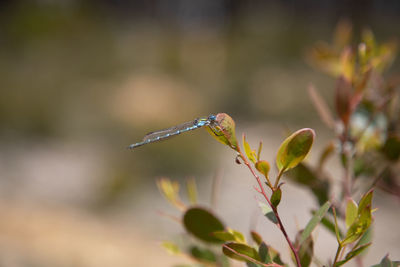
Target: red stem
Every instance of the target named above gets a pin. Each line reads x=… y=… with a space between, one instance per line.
x=251 y=259
x=280 y=224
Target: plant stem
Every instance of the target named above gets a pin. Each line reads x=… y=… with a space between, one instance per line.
x=251 y=259
x=279 y=177
x=339 y=249
x=280 y=224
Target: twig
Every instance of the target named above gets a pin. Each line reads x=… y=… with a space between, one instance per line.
x=338 y=251
x=251 y=259
x=275 y=211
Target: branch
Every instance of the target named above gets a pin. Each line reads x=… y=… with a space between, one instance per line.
x=275 y=211
x=251 y=259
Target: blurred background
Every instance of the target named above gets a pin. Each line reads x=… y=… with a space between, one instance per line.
x=80 y=80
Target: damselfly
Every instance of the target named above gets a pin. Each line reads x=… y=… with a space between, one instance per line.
x=178 y=129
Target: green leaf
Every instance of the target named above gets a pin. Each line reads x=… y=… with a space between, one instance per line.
x=269 y=255
x=306 y=252
x=386 y=262
x=366 y=201
x=276 y=257
x=224 y=236
x=358 y=228
x=337 y=230
x=276 y=197
x=170 y=190
x=352 y=254
x=230 y=235
x=239 y=251
x=256 y=237
x=171 y=248
x=294 y=149
x=263 y=167
x=239 y=237
x=306 y=249
x=251 y=154
x=365 y=238
x=224 y=132
x=263 y=251
x=314 y=221
x=267 y=211
x=259 y=151
x=351 y=212
x=363 y=220
x=201 y=223
x=203 y=254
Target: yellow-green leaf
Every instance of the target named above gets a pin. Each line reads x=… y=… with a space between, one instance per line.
x=202 y=224
x=275 y=256
x=263 y=251
x=366 y=201
x=363 y=220
x=170 y=190
x=263 y=167
x=268 y=212
x=294 y=149
x=240 y=251
x=351 y=212
x=347 y=60
x=239 y=237
x=251 y=154
x=256 y=237
x=359 y=227
x=224 y=131
x=224 y=235
x=259 y=151
x=230 y=235
x=171 y=248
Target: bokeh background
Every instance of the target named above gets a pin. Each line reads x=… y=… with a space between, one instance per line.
x=80 y=80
